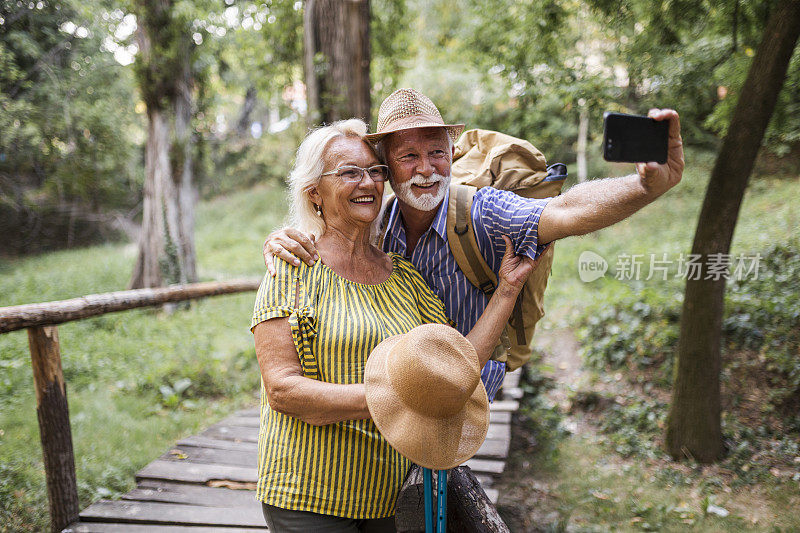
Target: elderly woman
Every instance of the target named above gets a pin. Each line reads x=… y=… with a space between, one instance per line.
x=322 y=464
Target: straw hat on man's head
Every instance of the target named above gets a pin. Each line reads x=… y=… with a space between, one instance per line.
x=406 y=109
x=425 y=395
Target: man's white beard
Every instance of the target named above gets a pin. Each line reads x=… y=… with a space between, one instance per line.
x=427 y=201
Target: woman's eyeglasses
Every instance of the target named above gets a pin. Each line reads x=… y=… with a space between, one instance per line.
x=354 y=174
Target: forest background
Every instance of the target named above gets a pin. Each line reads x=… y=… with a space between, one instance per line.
x=73 y=130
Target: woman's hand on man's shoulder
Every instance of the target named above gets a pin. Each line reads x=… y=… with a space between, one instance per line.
x=291 y=245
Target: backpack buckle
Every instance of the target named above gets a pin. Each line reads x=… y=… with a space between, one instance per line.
x=487 y=287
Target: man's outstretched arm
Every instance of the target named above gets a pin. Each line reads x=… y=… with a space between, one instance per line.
x=600 y=203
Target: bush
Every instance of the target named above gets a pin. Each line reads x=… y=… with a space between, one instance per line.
x=539 y=413
x=763 y=315
x=240 y=163
x=639 y=330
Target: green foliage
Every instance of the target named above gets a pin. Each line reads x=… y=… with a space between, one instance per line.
x=633 y=427
x=762 y=315
x=390 y=35
x=542 y=417
x=547 y=60
x=533 y=52
x=68 y=130
x=239 y=163
x=639 y=329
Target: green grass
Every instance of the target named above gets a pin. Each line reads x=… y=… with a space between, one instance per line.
x=116 y=364
x=594 y=490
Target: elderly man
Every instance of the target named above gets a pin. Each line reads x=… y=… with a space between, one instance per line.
x=417 y=145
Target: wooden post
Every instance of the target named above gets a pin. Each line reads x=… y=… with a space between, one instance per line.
x=54 y=428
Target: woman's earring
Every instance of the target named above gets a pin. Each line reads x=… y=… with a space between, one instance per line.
x=319 y=210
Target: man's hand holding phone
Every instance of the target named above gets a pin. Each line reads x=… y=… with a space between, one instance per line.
x=642 y=141
x=659 y=178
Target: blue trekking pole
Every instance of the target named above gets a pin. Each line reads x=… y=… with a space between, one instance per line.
x=435 y=518
x=441 y=518
x=427 y=483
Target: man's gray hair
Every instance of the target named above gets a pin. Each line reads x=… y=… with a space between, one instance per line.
x=307 y=171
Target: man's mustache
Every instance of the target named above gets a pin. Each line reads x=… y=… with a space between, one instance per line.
x=419 y=179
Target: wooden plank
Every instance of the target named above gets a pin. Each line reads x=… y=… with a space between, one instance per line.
x=234 y=433
x=499 y=417
x=486 y=466
x=486 y=480
x=504 y=405
x=514 y=393
x=104 y=527
x=219 y=444
x=171 y=514
x=499 y=431
x=494 y=448
x=194 y=454
x=196 y=472
x=167 y=492
x=511 y=379
x=211 y=437
x=244 y=421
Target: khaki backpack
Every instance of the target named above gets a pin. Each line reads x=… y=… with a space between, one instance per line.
x=483 y=158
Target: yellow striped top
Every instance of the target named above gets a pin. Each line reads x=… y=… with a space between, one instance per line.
x=344 y=469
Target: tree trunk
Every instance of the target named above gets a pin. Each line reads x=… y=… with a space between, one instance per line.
x=583 y=135
x=693 y=426
x=243 y=124
x=183 y=175
x=166 y=245
x=336 y=60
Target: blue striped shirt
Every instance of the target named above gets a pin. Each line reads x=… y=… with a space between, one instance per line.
x=494 y=213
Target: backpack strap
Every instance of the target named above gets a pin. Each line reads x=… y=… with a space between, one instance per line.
x=462 y=241
x=464 y=246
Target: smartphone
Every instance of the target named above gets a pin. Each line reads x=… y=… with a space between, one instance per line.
x=634 y=138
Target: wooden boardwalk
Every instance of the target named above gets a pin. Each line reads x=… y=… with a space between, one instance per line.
x=206 y=482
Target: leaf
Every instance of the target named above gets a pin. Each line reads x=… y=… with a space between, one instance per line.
x=178 y=454
x=181 y=385
x=719 y=511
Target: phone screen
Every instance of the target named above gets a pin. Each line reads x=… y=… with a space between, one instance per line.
x=634 y=138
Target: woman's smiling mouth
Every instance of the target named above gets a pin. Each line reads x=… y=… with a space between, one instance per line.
x=363 y=200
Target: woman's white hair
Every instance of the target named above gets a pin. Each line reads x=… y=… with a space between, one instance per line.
x=307 y=171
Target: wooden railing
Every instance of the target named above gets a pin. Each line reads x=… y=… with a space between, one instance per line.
x=48 y=379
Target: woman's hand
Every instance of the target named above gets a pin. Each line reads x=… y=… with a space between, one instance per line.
x=514 y=271
x=289 y=244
